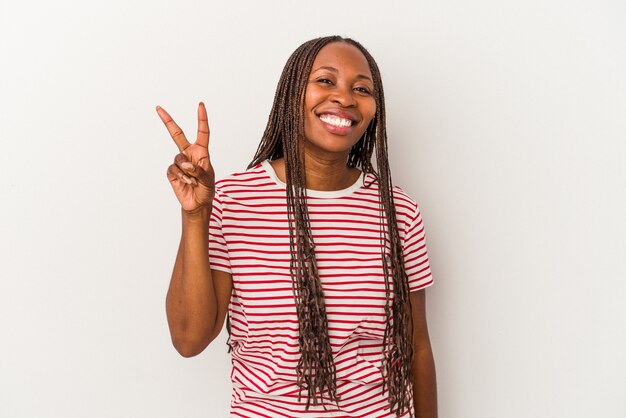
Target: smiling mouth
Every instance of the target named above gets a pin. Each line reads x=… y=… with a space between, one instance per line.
x=336 y=120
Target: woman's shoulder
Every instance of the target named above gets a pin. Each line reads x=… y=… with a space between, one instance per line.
x=252 y=179
x=239 y=177
x=401 y=197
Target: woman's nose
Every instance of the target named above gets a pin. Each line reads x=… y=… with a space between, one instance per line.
x=343 y=96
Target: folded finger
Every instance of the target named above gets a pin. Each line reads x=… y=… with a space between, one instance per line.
x=202 y=176
x=186 y=168
x=181 y=158
x=194 y=172
x=175 y=173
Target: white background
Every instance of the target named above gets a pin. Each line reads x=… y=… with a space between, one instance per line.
x=507 y=123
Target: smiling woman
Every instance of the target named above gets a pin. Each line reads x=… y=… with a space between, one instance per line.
x=316 y=261
x=339 y=95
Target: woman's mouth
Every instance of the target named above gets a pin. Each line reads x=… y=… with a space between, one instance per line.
x=335 y=120
x=335 y=124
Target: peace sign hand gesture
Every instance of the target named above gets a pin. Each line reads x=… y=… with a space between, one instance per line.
x=191 y=176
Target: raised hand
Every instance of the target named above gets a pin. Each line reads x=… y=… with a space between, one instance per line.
x=191 y=176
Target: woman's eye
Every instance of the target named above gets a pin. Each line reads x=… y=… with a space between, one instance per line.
x=363 y=90
x=324 y=81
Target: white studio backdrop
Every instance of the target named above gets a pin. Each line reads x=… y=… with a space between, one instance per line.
x=506 y=123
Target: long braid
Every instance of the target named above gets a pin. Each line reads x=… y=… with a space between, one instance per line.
x=283 y=137
x=397 y=340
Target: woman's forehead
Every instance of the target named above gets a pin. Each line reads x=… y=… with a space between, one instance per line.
x=342 y=56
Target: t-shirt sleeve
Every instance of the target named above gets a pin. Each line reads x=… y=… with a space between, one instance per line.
x=416 y=254
x=218 y=250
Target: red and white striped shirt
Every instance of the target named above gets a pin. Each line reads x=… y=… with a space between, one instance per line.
x=249 y=238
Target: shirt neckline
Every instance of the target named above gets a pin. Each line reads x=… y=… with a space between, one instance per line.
x=315 y=193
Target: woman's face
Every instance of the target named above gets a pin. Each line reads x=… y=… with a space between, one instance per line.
x=339 y=102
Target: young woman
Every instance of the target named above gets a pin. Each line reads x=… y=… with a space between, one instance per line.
x=318 y=260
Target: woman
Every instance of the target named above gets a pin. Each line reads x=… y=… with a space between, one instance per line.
x=319 y=261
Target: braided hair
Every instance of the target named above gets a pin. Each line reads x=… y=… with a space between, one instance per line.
x=283 y=134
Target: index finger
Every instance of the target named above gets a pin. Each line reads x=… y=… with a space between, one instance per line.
x=175 y=132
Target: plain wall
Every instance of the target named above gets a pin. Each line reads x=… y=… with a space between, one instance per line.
x=506 y=121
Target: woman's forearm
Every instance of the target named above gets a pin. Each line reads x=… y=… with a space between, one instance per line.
x=191 y=301
x=424 y=383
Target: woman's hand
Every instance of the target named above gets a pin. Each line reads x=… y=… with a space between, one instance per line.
x=191 y=176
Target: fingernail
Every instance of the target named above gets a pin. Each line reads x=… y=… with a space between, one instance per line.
x=186 y=179
x=187 y=166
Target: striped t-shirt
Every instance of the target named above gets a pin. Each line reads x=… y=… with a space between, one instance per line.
x=249 y=238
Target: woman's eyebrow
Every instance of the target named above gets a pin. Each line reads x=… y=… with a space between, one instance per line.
x=333 y=69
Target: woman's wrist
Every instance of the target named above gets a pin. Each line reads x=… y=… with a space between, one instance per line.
x=201 y=214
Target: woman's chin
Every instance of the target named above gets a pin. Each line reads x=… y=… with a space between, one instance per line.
x=340 y=145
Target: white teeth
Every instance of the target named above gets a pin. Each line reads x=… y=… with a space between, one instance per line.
x=335 y=120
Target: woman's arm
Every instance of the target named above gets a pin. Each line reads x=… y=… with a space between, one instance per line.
x=198 y=297
x=424 y=380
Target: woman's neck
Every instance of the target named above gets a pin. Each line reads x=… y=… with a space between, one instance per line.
x=322 y=174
